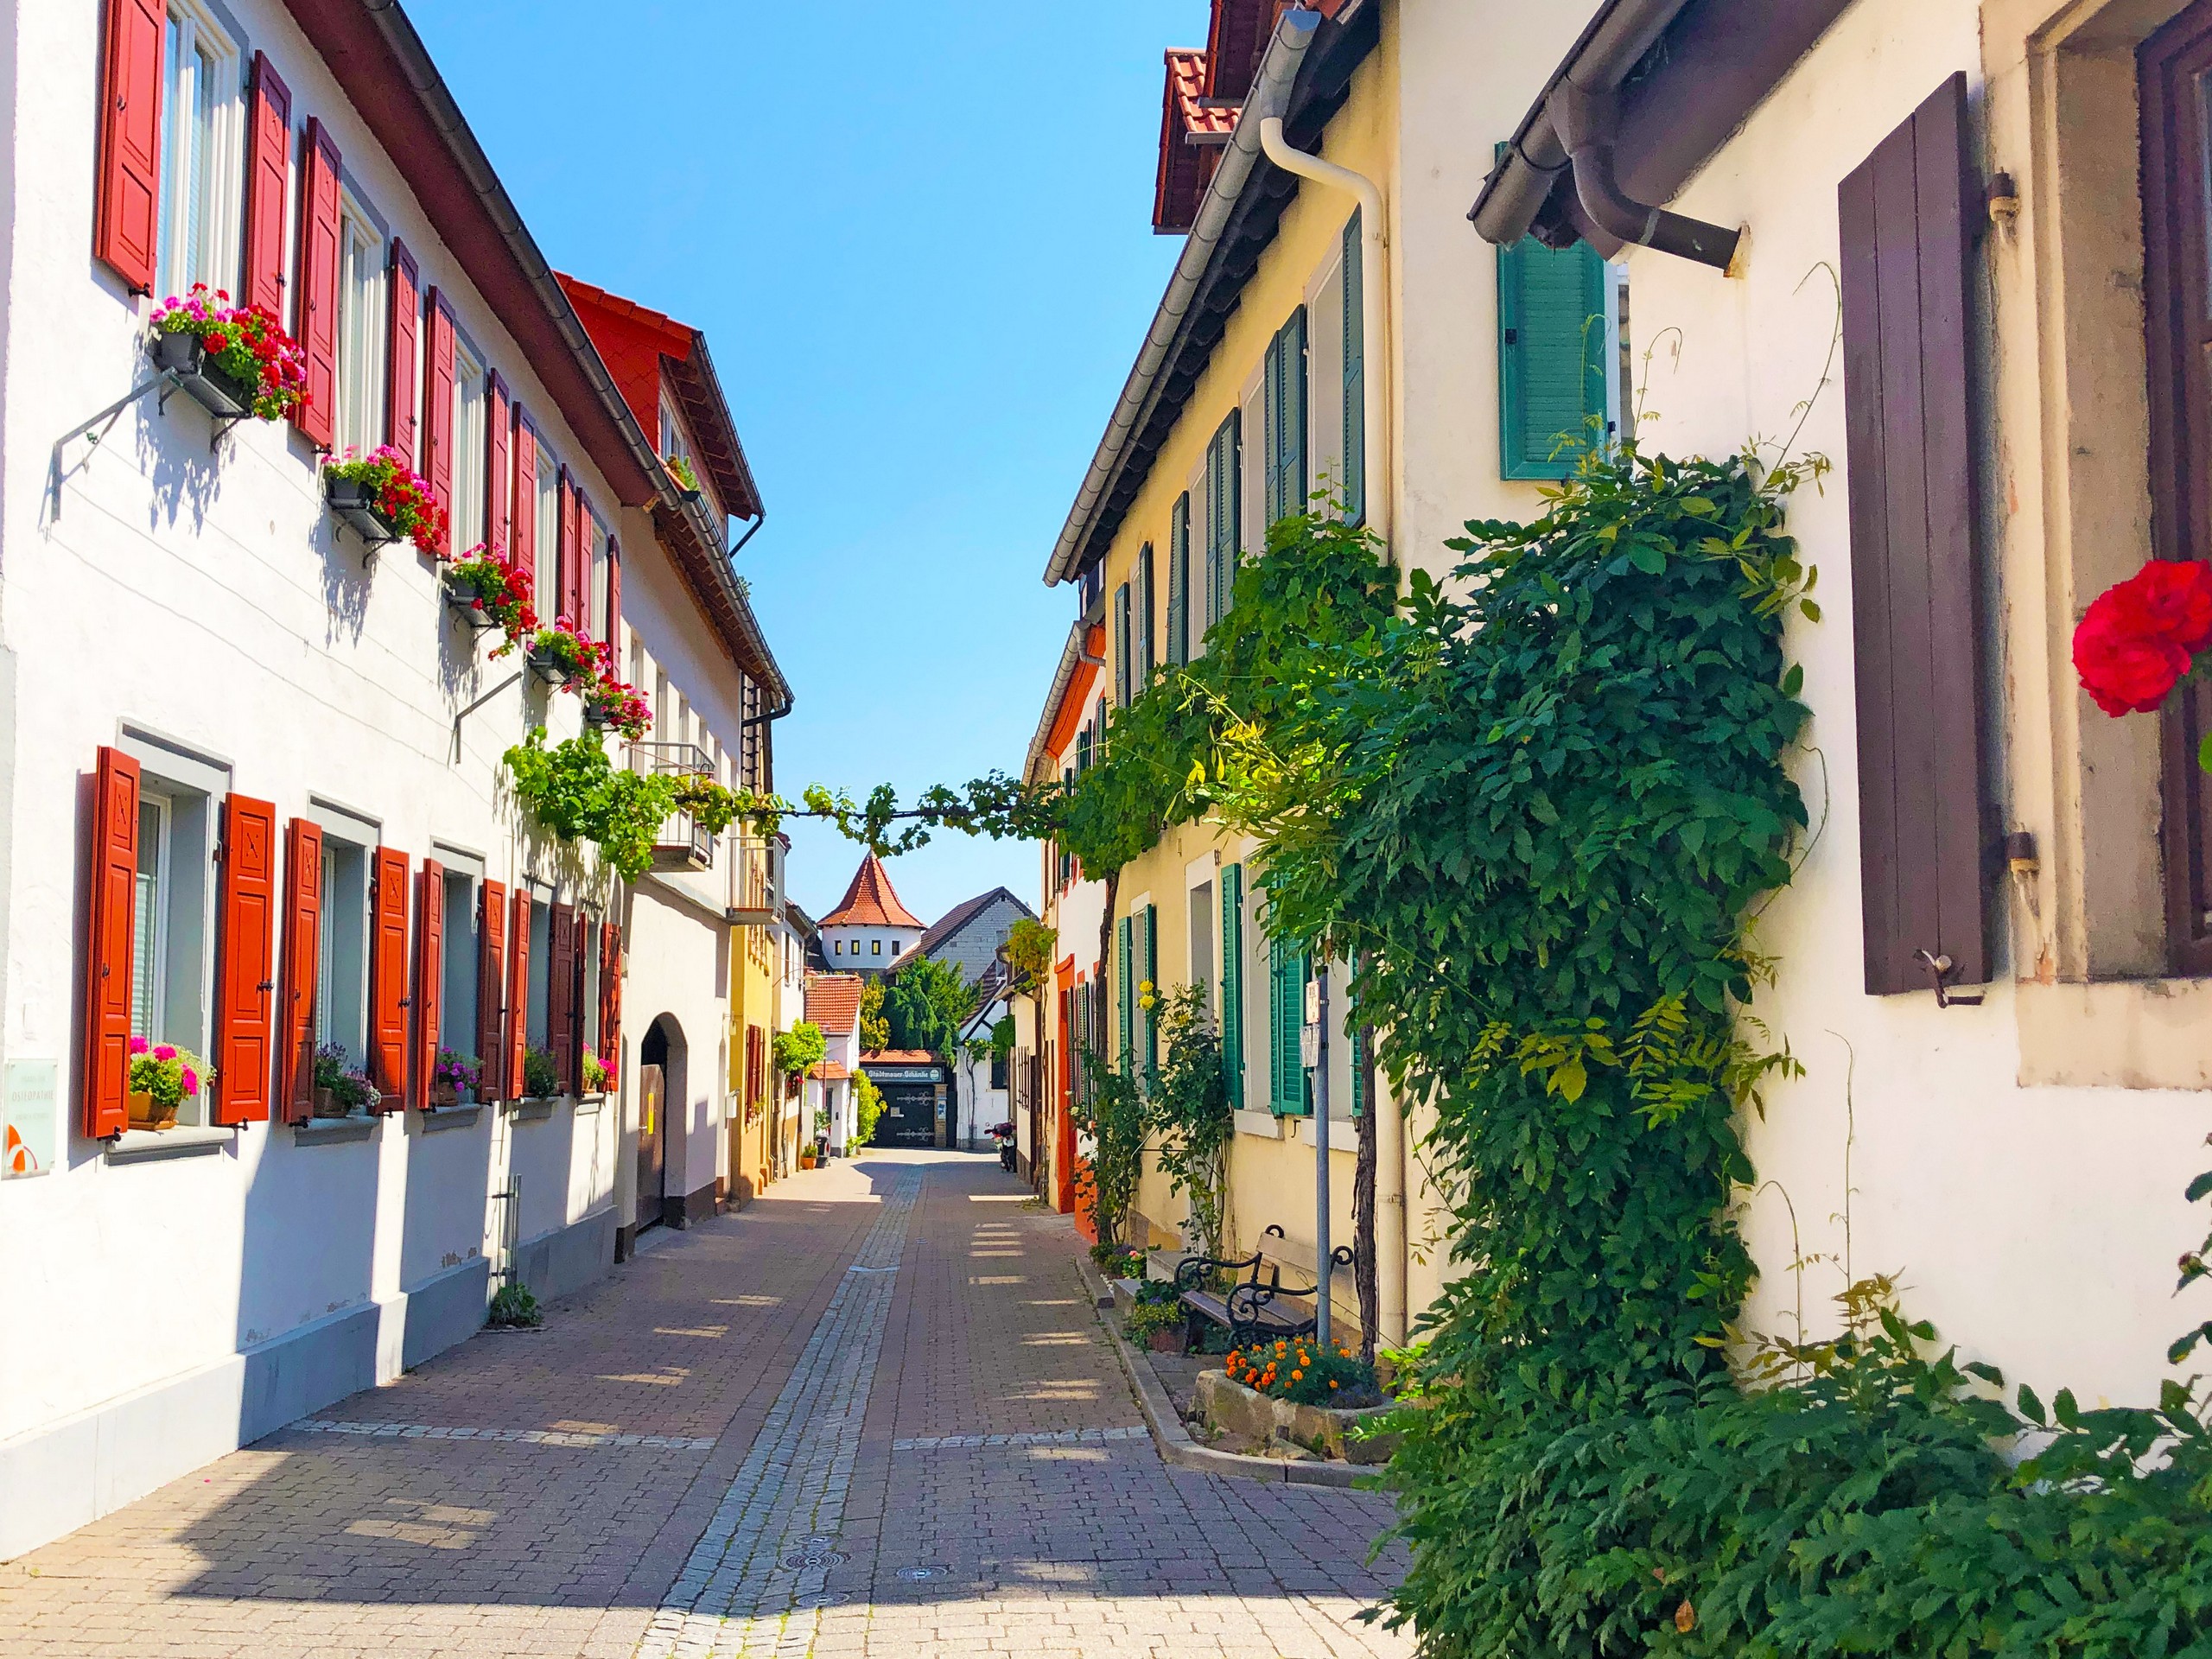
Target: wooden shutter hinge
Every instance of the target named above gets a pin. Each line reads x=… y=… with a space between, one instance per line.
x=1939 y=969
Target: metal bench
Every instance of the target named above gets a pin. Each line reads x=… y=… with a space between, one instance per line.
x=1252 y=1309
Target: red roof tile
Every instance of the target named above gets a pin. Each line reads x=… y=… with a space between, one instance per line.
x=832 y=1072
x=833 y=1003
x=899 y=1057
x=1193 y=128
x=871 y=901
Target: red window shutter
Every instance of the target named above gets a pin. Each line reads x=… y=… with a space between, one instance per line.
x=267 y=170
x=437 y=408
x=565 y=566
x=614 y=601
x=110 y=937
x=580 y=569
x=429 y=978
x=497 y=498
x=302 y=955
x=245 y=981
x=561 y=982
x=126 y=215
x=517 y=1043
x=523 y=512
x=491 y=984
x=1906 y=217
x=318 y=269
x=401 y=401
x=610 y=997
x=388 y=977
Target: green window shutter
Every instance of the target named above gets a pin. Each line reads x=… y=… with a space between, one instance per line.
x=1151 y=978
x=1284 y=399
x=1551 y=356
x=1232 y=981
x=1358 y=1073
x=1148 y=606
x=1178 y=583
x=1122 y=646
x=1225 y=509
x=1125 y=981
x=1286 y=1093
x=1354 y=485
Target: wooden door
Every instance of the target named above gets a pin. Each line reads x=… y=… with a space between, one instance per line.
x=652 y=1147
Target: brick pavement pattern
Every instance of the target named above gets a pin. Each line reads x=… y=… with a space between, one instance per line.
x=958 y=1432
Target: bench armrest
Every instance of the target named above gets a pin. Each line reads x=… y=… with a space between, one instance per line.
x=1193 y=1271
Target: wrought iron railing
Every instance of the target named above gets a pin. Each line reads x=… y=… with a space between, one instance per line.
x=683 y=842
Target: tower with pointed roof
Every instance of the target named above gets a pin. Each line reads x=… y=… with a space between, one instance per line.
x=869 y=932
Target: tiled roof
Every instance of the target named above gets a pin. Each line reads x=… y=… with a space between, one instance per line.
x=1193 y=127
x=833 y=1003
x=871 y=901
x=832 y=1072
x=899 y=1057
x=1204 y=120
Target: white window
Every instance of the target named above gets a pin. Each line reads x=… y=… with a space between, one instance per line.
x=170 y=958
x=361 y=323
x=341 y=1003
x=202 y=170
x=150 y=939
x=457 y=995
x=596 y=619
x=468 y=449
x=549 y=537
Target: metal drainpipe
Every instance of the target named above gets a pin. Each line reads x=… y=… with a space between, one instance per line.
x=1373 y=324
x=1374 y=311
x=1585 y=122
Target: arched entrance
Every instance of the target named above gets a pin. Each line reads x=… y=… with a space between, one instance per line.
x=660 y=1090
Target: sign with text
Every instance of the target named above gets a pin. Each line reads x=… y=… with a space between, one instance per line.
x=30 y=1118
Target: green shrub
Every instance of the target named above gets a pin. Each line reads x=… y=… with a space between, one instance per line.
x=1149 y=1317
x=512 y=1304
x=1305 y=1372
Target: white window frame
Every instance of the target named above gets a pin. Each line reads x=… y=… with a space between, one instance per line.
x=595 y=619
x=220 y=185
x=363 y=321
x=1324 y=369
x=549 y=534
x=471 y=418
x=149 y=1022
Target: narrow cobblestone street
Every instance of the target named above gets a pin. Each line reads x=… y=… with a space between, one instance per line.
x=756 y=1437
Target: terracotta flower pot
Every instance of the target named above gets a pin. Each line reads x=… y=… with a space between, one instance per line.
x=444 y=1094
x=326 y=1105
x=145 y=1114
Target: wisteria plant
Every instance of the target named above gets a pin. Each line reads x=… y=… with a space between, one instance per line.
x=246 y=342
x=401 y=494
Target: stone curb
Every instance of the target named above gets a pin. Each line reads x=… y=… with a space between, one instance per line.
x=1175 y=1442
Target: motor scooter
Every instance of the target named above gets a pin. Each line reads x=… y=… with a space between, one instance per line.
x=1004 y=1134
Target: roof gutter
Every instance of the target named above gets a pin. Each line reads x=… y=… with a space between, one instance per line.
x=406 y=47
x=1269 y=96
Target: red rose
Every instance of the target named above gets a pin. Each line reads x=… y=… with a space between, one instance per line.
x=2124 y=669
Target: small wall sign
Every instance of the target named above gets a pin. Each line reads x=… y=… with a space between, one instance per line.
x=30 y=1118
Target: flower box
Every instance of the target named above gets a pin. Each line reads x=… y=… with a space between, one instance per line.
x=468 y=606
x=355 y=505
x=203 y=379
x=1228 y=1405
x=444 y=1094
x=547 y=666
x=597 y=717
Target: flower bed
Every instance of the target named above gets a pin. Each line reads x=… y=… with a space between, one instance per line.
x=236 y=361
x=1303 y=1372
x=384 y=499
x=1232 y=1408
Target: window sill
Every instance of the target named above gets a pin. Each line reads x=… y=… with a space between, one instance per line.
x=2141 y=1033
x=1264 y=1125
x=586 y=1104
x=449 y=1117
x=330 y=1131
x=536 y=1108
x=152 y=1146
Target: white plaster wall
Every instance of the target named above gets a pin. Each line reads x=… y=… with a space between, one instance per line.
x=205 y=595
x=679 y=966
x=2037 y=1227
x=855 y=950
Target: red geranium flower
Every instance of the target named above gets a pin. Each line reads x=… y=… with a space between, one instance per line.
x=2124 y=669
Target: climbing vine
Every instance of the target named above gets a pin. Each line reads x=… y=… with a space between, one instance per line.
x=1188 y=1114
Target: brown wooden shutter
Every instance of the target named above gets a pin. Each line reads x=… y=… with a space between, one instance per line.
x=110 y=938
x=269 y=144
x=561 y=984
x=498 y=499
x=610 y=1000
x=317 y=326
x=584 y=941
x=491 y=987
x=437 y=408
x=388 y=996
x=126 y=222
x=517 y=1043
x=523 y=521
x=303 y=959
x=1915 y=551
x=429 y=979
x=403 y=402
x=245 y=978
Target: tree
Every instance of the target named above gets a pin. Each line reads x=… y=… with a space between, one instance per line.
x=799 y=1050
x=868 y=1106
x=926 y=1002
x=875 y=1030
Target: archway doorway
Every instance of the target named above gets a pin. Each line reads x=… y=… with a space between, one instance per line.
x=660 y=1091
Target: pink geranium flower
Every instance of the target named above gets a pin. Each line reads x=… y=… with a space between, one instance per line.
x=165 y=1052
x=191 y=1081
x=137 y=1045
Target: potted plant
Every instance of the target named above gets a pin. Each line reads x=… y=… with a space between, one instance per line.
x=232 y=360
x=597 y=1079
x=687 y=477
x=380 y=498
x=487 y=591
x=565 y=655
x=453 y=1075
x=609 y=701
x=541 y=1080
x=162 y=1078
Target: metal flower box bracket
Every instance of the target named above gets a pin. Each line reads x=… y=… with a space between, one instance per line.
x=547 y=668
x=464 y=604
x=353 y=503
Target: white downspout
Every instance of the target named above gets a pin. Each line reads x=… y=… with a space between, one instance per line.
x=1390 y=1263
x=1374 y=312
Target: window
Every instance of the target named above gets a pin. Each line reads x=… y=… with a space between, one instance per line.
x=202 y=170
x=462 y=949
x=1552 y=368
x=1224 y=488
x=1352 y=480
x=1201 y=936
x=896 y=947
x=361 y=323
x=341 y=1004
x=149 y=937
x=1289 y=1091
x=549 y=534
x=469 y=439
x=1122 y=676
x=1284 y=404
x=876 y=946
x=171 y=962
x=596 y=599
x=537 y=1019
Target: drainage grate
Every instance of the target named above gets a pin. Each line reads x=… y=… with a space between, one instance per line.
x=916 y=1574
x=817 y=1555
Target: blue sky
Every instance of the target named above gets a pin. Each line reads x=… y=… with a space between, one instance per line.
x=920 y=242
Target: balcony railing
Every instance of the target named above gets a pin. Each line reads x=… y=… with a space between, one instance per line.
x=751 y=902
x=682 y=843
